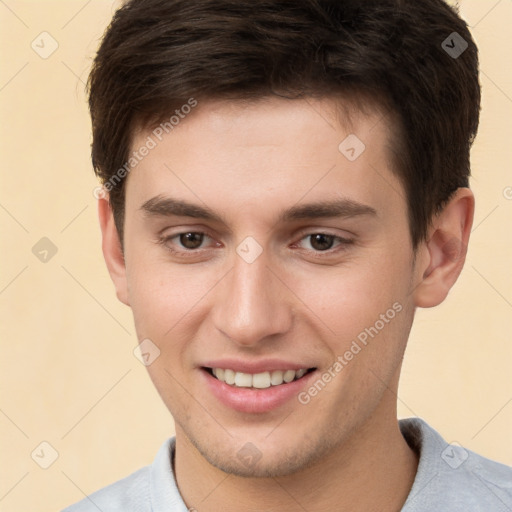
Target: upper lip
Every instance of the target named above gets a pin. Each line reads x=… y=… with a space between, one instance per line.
x=260 y=366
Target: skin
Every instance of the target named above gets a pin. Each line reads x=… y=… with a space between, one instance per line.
x=249 y=163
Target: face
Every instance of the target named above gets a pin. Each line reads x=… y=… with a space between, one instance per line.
x=258 y=248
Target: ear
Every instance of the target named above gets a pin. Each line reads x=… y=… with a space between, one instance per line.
x=444 y=253
x=112 y=251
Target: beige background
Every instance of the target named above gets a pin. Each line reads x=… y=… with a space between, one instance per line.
x=68 y=373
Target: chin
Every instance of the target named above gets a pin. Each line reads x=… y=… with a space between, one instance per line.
x=261 y=458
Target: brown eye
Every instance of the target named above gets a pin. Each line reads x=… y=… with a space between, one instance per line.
x=186 y=244
x=321 y=241
x=191 y=240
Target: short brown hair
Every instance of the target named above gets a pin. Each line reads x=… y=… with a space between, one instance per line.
x=417 y=57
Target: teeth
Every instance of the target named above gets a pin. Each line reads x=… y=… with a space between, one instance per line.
x=276 y=378
x=259 y=380
x=243 y=380
x=229 y=377
x=289 y=375
x=301 y=373
x=219 y=373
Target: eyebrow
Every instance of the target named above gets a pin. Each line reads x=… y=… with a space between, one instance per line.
x=160 y=206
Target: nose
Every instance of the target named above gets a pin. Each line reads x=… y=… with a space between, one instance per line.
x=253 y=303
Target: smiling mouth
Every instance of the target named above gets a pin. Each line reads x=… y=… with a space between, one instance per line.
x=261 y=380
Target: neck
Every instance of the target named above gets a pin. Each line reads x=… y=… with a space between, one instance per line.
x=372 y=470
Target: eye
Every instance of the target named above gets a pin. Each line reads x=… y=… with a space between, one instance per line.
x=190 y=240
x=184 y=242
x=323 y=242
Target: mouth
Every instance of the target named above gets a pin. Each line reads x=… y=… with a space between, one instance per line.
x=261 y=380
x=262 y=386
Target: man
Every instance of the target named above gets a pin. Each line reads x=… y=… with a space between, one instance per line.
x=284 y=183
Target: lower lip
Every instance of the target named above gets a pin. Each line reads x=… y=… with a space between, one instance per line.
x=255 y=400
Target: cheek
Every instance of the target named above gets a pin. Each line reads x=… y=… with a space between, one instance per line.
x=157 y=309
x=352 y=298
x=168 y=303
x=160 y=293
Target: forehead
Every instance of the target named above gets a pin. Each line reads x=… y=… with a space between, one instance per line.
x=240 y=153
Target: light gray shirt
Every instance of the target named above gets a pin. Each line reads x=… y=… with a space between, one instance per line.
x=449 y=479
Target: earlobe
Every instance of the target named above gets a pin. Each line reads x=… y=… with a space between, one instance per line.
x=446 y=250
x=112 y=251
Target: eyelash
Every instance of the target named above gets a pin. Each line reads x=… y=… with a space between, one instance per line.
x=343 y=243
